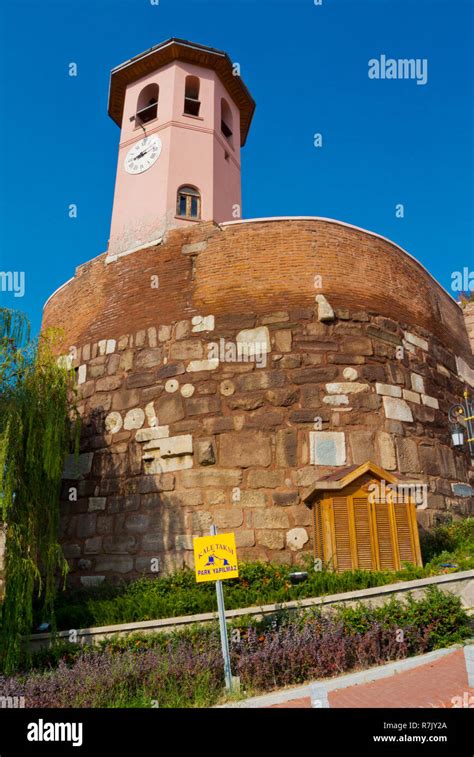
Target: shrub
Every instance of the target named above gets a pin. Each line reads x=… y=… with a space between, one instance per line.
x=178 y=594
x=448 y=541
x=185 y=669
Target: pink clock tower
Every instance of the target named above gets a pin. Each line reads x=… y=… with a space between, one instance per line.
x=184 y=114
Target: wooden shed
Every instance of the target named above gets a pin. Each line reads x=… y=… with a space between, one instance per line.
x=365 y=517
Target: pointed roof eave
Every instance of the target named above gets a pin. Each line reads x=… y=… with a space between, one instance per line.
x=350 y=474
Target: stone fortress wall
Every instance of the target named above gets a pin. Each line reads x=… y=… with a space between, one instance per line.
x=360 y=353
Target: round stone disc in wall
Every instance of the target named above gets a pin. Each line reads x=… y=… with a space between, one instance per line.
x=113 y=423
x=171 y=385
x=187 y=390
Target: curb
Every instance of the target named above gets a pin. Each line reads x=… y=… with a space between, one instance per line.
x=89 y=635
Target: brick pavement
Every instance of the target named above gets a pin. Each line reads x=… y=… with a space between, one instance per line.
x=430 y=685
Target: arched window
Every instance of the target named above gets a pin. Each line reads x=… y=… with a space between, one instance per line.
x=188 y=204
x=192 y=103
x=226 y=120
x=147 y=104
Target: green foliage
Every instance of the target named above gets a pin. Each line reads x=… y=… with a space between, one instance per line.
x=439 y=612
x=175 y=677
x=36 y=434
x=450 y=543
x=178 y=594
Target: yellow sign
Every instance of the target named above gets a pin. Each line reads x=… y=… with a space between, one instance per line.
x=215 y=557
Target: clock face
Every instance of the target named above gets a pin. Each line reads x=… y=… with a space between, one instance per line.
x=143 y=154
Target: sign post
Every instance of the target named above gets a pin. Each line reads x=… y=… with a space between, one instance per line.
x=215 y=559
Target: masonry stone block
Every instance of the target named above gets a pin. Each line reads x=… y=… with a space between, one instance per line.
x=203 y=365
x=228 y=518
x=201 y=521
x=160 y=464
x=286 y=498
x=271 y=539
x=208 y=477
x=183 y=498
x=389 y=390
x=245 y=450
x=205 y=452
x=362 y=446
x=78 y=467
x=345 y=387
x=247 y=401
x=271 y=517
x=429 y=459
x=245 y=537
x=260 y=379
x=169 y=409
x=410 y=396
x=398 y=410
x=286 y=448
x=138 y=523
x=335 y=400
x=327 y=448
x=386 y=455
x=202 y=405
x=417 y=341
x=97 y=503
x=430 y=401
x=314 y=375
x=408 y=459
x=357 y=345
x=202 y=323
x=251 y=498
x=264 y=478
x=171 y=446
x=187 y=349
x=86 y=524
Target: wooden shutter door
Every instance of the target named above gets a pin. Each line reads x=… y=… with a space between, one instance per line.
x=406 y=547
x=318 y=531
x=366 y=559
x=342 y=537
x=385 y=546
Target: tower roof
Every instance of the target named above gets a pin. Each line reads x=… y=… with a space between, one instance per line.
x=180 y=49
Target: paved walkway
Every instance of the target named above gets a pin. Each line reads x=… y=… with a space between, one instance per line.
x=431 y=685
x=444 y=678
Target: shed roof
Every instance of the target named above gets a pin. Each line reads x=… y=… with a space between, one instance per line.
x=344 y=476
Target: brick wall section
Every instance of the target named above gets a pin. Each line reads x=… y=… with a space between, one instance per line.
x=256 y=267
x=172 y=444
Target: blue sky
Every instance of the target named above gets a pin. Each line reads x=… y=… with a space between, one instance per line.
x=384 y=141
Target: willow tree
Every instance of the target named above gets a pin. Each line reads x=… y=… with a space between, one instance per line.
x=38 y=428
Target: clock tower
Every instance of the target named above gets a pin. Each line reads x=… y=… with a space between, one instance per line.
x=184 y=114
